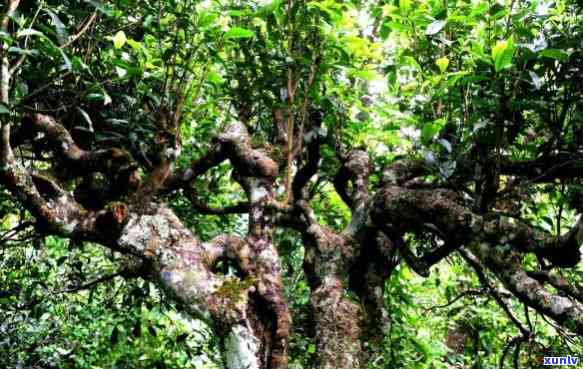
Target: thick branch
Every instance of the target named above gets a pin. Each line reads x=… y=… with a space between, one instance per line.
x=546 y=168
x=256 y=171
x=183 y=178
x=310 y=167
x=355 y=171
x=402 y=210
x=401 y=171
x=203 y=208
x=5 y=75
x=479 y=269
x=557 y=282
x=77 y=161
x=506 y=264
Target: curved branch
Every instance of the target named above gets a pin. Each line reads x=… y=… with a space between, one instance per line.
x=183 y=177
x=310 y=167
x=355 y=171
x=78 y=161
x=479 y=269
x=400 y=210
x=507 y=266
x=203 y=208
x=545 y=168
x=403 y=170
x=81 y=31
x=560 y=283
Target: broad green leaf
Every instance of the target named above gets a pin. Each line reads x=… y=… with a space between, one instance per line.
x=4 y=109
x=18 y=50
x=61 y=30
x=237 y=13
x=429 y=130
x=555 y=54
x=238 y=32
x=134 y=44
x=215 y=78
x=502 y=54
x=102 y=98
x=206 y=18
x=6 y=37
x=389 y=9
x=29 y=32
x=404 y=5
x=121 y=72
x=366 y=74
x=119 y=39
x=442 y=63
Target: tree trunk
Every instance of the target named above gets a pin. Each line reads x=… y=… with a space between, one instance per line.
x=338 y=318
x=338 y=326
x=243 y=316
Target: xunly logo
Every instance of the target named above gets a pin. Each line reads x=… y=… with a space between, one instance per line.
x=560 y=360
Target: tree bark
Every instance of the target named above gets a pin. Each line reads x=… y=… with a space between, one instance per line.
x=182 y=266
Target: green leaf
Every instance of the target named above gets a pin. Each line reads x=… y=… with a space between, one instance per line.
x=554 y=54
x=119 y=39
x=238 y=32
x=29 y=32
x=87 y=119
x=134 y=44
x=311 y=348
x=18 y=50
x=4 y=109
x=99 y=6
x=61 y=30
x=429 y=130
x=207 y=18
x=502 y=54
x=442 y=63
x=215 y=78
x=102 y=98
x=404 y=5
x=4 y=36
x=237 y=13
x=365 y=74
x=536 y=80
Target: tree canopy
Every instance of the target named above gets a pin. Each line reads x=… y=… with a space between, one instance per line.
x=290 y=184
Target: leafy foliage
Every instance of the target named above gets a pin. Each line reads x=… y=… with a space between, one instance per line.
x=427 y=79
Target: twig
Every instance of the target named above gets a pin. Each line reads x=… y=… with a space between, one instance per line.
x=471 y=292
x=291 y=85
x=475 y=263
x=23 y=57
x=81 y=32
x=92 y=283
x=507 y=348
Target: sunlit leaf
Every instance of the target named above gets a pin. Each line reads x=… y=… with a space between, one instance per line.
x=238 y=32
x=29 y=32
x=536 y=80
x=442 y=63
x=119 y=40
x=502 y=54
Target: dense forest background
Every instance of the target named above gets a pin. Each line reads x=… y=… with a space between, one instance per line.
x=428 y=160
